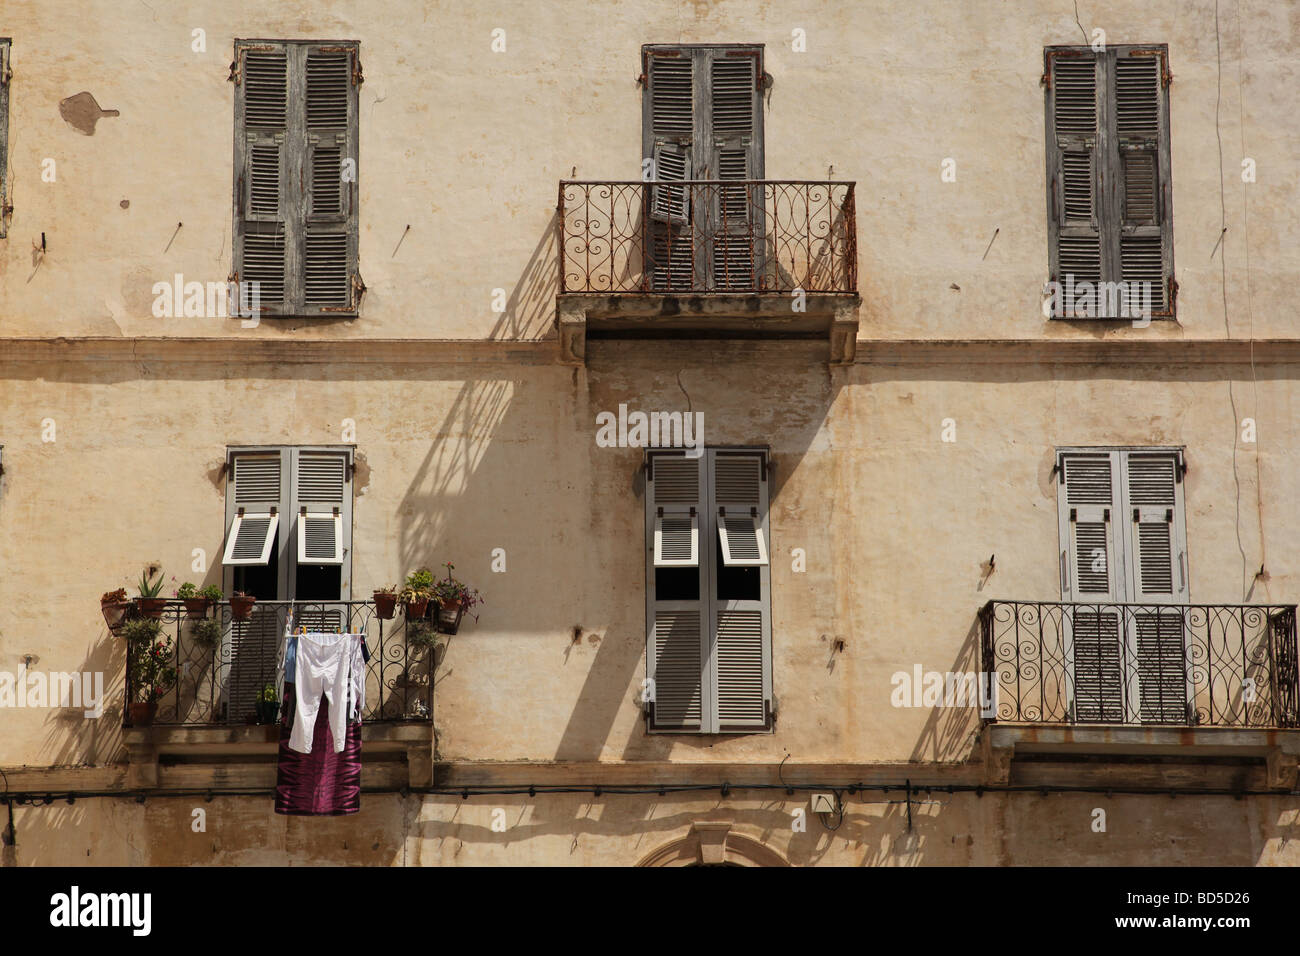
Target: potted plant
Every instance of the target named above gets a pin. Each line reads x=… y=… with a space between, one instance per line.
x=455 y=599
x=141 y=632
x=385 y=603
x=268 y=707
x=114 y=605
x=196 y=601
x=206 y=631
x=241 y=605
x=153 y=673
x=415 y=595
x=420 y=634
x=149 y=603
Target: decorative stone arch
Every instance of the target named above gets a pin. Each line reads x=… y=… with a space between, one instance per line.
x=714 y=843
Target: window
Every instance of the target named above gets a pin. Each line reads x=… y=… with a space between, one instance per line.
x=708 y=610
x=1110 y=210
x=296 y=175
x=702 y=119
x=5 y=74
x=1123 y=539
x=288 y=538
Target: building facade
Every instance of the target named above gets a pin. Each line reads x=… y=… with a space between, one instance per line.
x=859 y=460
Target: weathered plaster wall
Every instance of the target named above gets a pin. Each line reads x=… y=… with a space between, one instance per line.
x=948 y=829
x=467 y=147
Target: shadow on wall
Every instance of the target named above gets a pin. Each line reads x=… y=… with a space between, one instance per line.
x=70 y=737
x=950 y=732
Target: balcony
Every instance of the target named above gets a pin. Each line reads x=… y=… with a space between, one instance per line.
x=742 y=258
x=1159 y=681
x=209 y=715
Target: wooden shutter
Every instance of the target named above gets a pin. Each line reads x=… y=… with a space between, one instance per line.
x=741 y=628
x=676 y=645
x=264 y=200
x=668 y=136
x=735 y=154
x=1089 y=503
x=677 y=540
x=253 y=503
x=329 y=207
x=322 y=504
x=295 y=210
x=1074 y=166
x=1141 y=172
x=4 y=134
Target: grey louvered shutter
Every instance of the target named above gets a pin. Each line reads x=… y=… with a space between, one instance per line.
x=735 y=149
x=1141 y=163
x=741 y=628
x=253 y=508
x=322 y=506
x=1157 y=575
x=329 y=257
x=264 y=197
x=1089 y=503
x=1074 y=172
x=5 y=72
x=676 y=645
x=668 y=137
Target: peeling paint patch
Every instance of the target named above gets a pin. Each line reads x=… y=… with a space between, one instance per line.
x=81 y=111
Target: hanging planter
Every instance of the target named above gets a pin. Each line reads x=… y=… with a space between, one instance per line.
x=447 y=617
x=197 y=602
x=455 y=600
x=385 y=603
x=114 y=605
x=206 y=632
x=241 y=605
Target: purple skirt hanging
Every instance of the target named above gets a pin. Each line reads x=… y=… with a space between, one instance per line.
x=321 y=783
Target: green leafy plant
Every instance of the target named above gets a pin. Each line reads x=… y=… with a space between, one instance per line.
x=268 y=694
x=211 y=592
x=419 y=586
x=140 y=631
x=187 y=591
x=452 y=591
x=148 y=587
x=206 y=631
x=420 y=634
x=152 y=671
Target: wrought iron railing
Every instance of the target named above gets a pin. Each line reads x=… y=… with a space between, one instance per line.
x=1214 y=665
x=220 y=683
x=707 y=236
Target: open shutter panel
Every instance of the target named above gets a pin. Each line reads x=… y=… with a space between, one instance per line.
x=677 y=541
x=321 y=487
x=671 y=204
x=676 y=648
x=742 y=633
x=329 y=252
x=254 y=490
x=1140 y=132
x=1073 y=107
x=263 y=198
x=734 y=117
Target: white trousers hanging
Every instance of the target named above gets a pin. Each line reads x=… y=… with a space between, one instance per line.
x=328 y=665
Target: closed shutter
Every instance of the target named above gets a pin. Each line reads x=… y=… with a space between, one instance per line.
x=1089 y=503
x=735 y=113
x=1141 y=173
x=676 y=635
x=296 y=158
x=703 y=120
x=1110 y=200
x=264 y=200
x=741 y=625
x=4 y=135
x=322 y=489
x=1157 y=575
x=1074 y=167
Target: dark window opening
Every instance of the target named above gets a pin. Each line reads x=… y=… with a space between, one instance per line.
x=677 y=584
x=736 y=584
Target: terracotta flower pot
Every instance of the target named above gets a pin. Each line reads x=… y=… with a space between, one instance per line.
x=197 y=607
x=416 y=609
x=385 y=605
x=448 y=617
x=142 y=712
x=241 y=608
x=151 y=607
